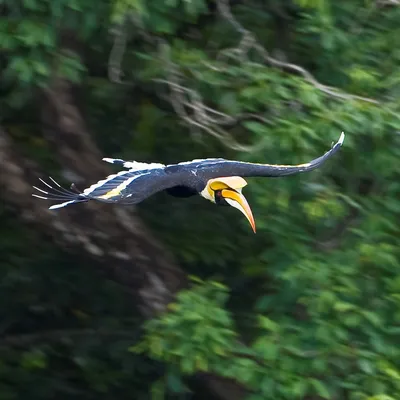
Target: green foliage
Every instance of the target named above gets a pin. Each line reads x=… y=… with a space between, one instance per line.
x=196 y=332
x=310 y=306
x=31 y=36
x=159 y=16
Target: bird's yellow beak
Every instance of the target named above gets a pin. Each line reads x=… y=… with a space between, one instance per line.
x=237 y=200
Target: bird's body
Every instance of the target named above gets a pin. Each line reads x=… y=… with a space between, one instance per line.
x=215 y=179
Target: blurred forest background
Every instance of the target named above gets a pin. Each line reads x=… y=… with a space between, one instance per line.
x=176 y=298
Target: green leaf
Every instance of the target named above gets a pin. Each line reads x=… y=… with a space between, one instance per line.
x=268 y=324
x=351 y=320
x=343 y=307
x=158 y=390
x=255 y=127
x=372 y=317
x=174 y=382
x=366 y=366
x=270 y=351
x=187 y=365
x=320 y=388
x=34 y=359
x=31 y=4
x=300 y=389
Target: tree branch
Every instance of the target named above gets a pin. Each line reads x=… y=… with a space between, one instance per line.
x=117 y=53
x=249 y=42
x=202 y=116
x=387 y=3
x=188 y=104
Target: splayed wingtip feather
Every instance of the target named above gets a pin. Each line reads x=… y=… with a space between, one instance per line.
x=39 y=197
x=341 y=139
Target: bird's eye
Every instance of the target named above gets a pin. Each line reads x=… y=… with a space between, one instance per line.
x=219 y=199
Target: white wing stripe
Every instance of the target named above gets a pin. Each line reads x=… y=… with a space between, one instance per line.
x=137 y=166
x=198 y=160
x=93 y=187
x=134 y=165
x=128 y=181
x=121 y=186
x=61 y=205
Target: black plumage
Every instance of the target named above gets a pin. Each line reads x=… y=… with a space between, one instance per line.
x=140 y=180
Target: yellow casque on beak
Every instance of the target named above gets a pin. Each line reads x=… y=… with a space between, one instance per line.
x=237 y=200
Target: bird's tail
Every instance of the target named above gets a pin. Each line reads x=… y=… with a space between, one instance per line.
x=58 y=193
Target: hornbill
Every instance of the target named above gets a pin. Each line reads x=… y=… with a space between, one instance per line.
x=216 y=179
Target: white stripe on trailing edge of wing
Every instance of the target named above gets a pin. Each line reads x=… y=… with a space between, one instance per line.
x=197 y=160
x=138 y=166
x=134 y=165
x=61 y=204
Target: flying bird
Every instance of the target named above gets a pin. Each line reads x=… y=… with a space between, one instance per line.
x=216 y=179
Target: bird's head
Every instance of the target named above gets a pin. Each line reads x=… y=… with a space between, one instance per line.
x=228 y=191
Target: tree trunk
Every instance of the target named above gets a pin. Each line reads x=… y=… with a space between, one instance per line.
x=111 y=235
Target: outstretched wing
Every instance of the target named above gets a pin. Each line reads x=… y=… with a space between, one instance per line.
x=126 y=187
x=216 y=168
x=142 y=180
